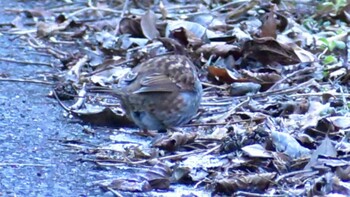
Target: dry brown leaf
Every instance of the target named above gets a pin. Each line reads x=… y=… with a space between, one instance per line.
x=148 y=25
x=287 y=144
x=103 y=116
x=267 y=50
x=174 y=141
x=252 y=183
x=269 y=27
x=131 y=26
x=132 y=185
x=221 y=50
x=48 y=29
x=223 y=75
x=186 y=38
x=256 y=151
x=159 y=176
x=262 y=77
x=325 y=149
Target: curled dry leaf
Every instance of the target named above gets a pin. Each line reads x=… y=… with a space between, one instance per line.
x=180 y=173
x=303 y=55
x=220 y=50
x=223 y=75
x=219 y=133
x=186 y=37
x=287 y=108
x=132 y=185
x=267 y=50
x=198 y=30
x=204 y=161
x=148 y=25
x=262 y=77
x=287 y=144
x=158 y=176
x=106 y=73
x=173 y=45
x=251 y=183
x=136 y=152
x=341 y=122
x=269 y=27
x=327 y=185
x=256 y=151
x=131 y=26
x=175 y=141
x=47 y=29
x=198 y=166
x=326 y=148
x=273 y=21
x=102 y=116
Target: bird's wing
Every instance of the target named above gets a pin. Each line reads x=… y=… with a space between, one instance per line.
x=156 y=82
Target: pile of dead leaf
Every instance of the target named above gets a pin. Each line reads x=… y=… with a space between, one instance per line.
x=275 y=114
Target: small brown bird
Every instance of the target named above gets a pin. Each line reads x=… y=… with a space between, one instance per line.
x=160 y=93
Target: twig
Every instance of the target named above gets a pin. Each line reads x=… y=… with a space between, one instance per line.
x=320 y=94
x=298 y=72
x=211 y=150
x=295 y=173
x=216 y=104
x=109 y=67
x=223 y=123
x=21 y=32
x=76 y=69
x=25 y=62
x=232 y=110
x=27 y=80
x=243 y=193
x=214 y=86
x=60 y=102
x=26 y=164
x=180 y=155
x=92 y=9
x=116 y=193
x=33 y=42
x=283 y=91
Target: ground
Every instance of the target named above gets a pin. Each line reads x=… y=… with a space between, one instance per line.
x=32 y=162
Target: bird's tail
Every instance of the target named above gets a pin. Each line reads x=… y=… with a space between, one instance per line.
x=105 y=90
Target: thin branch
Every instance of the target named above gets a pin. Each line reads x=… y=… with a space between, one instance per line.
x=25 y=62
x=26 y=164
x=27 y=81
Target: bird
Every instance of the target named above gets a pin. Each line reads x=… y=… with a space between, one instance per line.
x=160 y=93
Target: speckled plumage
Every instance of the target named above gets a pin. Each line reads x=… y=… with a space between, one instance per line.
x=160 y=93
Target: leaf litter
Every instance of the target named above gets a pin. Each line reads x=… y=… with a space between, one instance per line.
x=274 y=118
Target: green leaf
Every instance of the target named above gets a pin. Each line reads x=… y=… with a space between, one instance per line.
x=332 y=45
x=324 y=40
x=324 y=43
x=329 y=59
x=325 y=73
